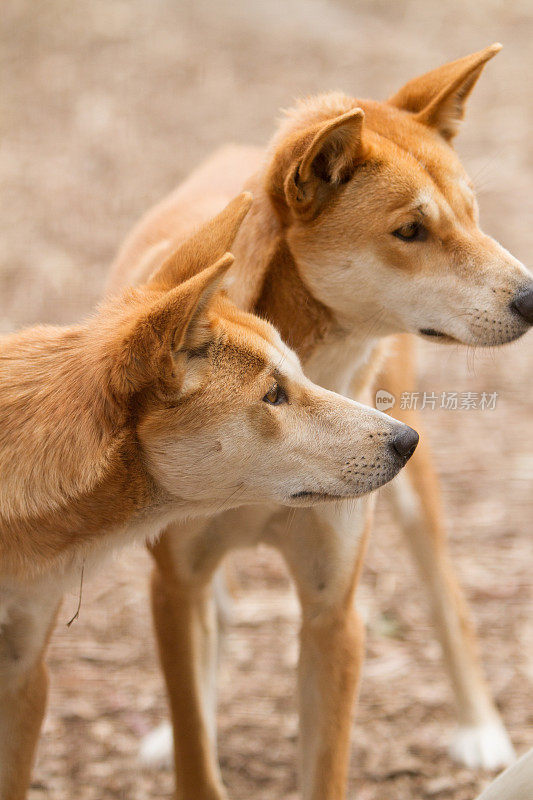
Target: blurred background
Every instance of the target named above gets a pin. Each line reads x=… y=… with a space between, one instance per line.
x=105 y=106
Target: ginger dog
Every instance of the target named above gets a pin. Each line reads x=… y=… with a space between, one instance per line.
x=364 y=225
x=168 y=404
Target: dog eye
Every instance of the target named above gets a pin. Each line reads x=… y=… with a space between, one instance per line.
x=412 y=232
x=275 y=396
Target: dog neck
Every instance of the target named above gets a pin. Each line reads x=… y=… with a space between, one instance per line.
x=268 y=280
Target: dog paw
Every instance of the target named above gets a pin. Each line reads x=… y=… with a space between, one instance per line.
x=157 y=747
x=482 y=747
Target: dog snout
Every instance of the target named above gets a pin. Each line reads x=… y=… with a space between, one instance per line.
x=522 y=303
x=404 y=442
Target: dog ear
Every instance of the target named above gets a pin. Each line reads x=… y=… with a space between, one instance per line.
x=145 y=351
x=317 y=161
x=438 y=98
x=204 y=247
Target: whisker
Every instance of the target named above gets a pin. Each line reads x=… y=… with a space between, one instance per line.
x=229 y=497
x=373 y=327
x=488 y=163
x=290 y=519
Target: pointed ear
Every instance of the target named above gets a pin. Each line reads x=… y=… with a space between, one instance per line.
x=332 y=153
x=317 y=161
x=204 y=247
x=146 y=348
x=438 y=98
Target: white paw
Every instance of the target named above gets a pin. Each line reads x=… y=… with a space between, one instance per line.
x=483 y=747
x=157 y=747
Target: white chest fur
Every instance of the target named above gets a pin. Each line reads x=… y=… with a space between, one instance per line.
x=335 y=362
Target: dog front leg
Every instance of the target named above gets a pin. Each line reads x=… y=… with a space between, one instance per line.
x=23 y=690
x=331 y=656
x=21 y=715
x=186 y=558
x=324 y=552
x=185 y=625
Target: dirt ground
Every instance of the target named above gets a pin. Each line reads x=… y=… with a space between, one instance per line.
x=105 y=106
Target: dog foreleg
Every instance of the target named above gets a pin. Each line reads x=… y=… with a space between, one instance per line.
x=185 y=624
x=23 y=691
x=324 y=552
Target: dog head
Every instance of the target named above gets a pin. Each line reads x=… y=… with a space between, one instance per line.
x=220 y=406
x=382 y=218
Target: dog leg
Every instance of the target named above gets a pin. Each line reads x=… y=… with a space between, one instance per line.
x=481 y=740
x=157 y=748
x=23 y=691
x=324 y=550
x=186 y=558
x=185 y=624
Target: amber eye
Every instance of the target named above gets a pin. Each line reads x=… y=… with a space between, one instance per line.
x=275 y=396
x=412 y=232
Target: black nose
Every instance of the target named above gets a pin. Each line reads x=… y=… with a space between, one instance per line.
x=405 y=442
x=523 y=303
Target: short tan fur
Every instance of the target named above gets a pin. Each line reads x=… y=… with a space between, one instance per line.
x=169 y=403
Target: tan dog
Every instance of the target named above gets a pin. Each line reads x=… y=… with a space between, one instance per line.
x=168 y=404
x=364 y=224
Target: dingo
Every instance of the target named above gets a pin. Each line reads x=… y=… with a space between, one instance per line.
x=364 y=224
x=167 y=404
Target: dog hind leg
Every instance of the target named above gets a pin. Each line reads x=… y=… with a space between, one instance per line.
x=481 y=739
